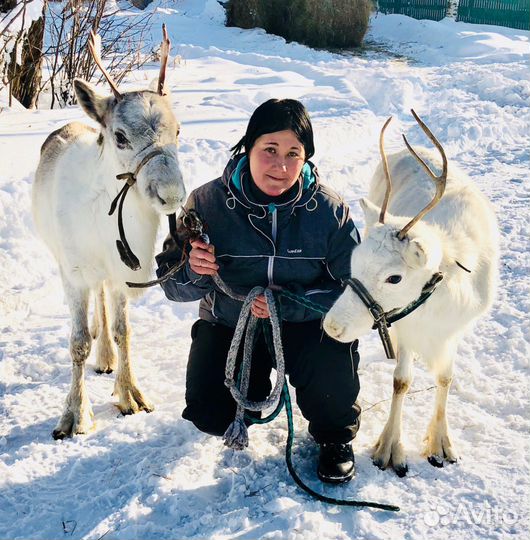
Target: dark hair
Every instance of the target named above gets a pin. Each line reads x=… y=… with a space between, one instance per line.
x=278 y=115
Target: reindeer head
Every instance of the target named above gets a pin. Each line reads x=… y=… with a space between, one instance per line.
x=139 y=131
x=394 y=262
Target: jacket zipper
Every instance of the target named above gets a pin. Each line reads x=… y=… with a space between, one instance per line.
x=273 y=220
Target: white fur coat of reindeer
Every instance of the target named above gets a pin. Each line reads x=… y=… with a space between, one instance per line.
x=458 y=237
x=75 y=184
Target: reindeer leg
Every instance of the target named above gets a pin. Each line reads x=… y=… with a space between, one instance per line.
x=438 y=445
x=131 y=399
x=94 y=327
x=77 y=416
x=389 y=449
x=106 y=360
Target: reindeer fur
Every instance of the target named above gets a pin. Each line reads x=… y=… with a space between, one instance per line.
x=463 y=228
x=74 y=185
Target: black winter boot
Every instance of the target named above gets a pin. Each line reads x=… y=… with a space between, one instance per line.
x=336 y=463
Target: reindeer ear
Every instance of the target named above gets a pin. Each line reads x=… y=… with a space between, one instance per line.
x=371 y=212
x=415 y=254
x=153 y=86
x=94 y=104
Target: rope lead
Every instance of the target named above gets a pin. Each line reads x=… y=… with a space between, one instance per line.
x=298 y=480
x=236 y=436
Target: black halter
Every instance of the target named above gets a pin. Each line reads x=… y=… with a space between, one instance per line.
x=382 y=319
x=125 y=251
x=194 y=228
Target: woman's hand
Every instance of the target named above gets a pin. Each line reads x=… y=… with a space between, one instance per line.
x=202 y=258
x=202 y=262
x=259 y=307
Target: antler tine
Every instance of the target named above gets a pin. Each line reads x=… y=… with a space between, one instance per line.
x=439 y=181
x=164 y=55
x=436 y=143
x=387 y=172
x=94 y=44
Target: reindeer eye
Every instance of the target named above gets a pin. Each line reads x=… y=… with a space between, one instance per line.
x=178 y=131
x=393 y=279
x=121 y=140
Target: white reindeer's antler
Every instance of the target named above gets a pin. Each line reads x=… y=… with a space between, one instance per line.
x=94 y=44
x=164 y=55
x=439 y=181
x=387 y=172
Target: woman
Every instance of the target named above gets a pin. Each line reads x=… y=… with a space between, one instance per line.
x=271 y=223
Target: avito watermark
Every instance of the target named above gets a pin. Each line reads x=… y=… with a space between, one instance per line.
x=470 y=514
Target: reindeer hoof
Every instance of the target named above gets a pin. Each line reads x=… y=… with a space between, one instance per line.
x=64 y=427
x=379 y=463
x=131 y=399
x=136 y=408
x=100 y=371
x=59 y=434
x=78 y=422
x=106 y=362
x=436 y=461
x=401 y=470
x=388 y=452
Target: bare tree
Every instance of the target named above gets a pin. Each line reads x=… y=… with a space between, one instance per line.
x=21 y=41
x=28 y=70
x=68 y=57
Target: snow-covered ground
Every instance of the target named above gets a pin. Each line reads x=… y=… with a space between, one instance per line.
x=155 y=476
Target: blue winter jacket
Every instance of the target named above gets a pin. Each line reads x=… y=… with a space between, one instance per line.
x=303 y=244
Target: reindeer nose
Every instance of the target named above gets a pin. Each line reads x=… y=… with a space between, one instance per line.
x=332 y=327
x=170 y=197
x=154 y=191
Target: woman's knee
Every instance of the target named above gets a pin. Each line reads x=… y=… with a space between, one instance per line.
x=326 y=363
x=208 y=419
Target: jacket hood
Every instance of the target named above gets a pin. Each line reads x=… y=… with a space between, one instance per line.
x=238 y=168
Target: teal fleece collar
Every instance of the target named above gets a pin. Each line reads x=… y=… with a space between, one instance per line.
x=307 y=174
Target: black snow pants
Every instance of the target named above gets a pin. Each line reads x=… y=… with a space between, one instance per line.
x=323 y=372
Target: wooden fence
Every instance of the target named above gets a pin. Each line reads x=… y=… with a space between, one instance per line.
x=418 y=9
x=512 y=13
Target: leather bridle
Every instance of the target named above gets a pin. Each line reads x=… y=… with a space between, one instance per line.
x=125 y=251
x=383 y=319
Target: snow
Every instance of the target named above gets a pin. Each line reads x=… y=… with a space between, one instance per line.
x=155 y=476
x=446 y=41
x=21 y=17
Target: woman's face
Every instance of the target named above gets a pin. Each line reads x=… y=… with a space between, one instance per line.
x=276 y=160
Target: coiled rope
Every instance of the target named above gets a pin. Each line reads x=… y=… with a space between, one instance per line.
x=236 y=436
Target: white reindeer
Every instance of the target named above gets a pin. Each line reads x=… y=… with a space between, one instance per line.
x=75 y=182
x=458 y=238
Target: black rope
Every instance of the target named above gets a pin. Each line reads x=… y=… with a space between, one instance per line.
x=194 y=228
x=285 y=399
x=395 y=315
x=125 y=251
x=166 y=277
x=300 y=483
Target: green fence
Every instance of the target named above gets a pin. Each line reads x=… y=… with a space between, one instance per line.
x=418 y=9
x=512 y=13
